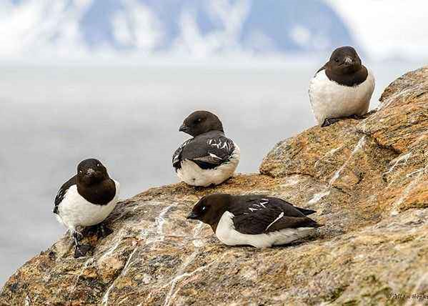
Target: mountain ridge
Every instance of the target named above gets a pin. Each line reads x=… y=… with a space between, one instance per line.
x=191 y=28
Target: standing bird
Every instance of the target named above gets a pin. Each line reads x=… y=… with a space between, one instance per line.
x=86 y=199
x=342 y=88
x=209 y=158
x=254 y=220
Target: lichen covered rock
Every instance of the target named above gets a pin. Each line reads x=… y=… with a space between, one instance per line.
x=367 y=180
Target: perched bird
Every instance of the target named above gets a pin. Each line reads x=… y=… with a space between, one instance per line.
x=86 y=200
x=342 y=88
x=254 y=220
x=209 y=158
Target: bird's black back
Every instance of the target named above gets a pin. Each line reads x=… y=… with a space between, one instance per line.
x=258 y=214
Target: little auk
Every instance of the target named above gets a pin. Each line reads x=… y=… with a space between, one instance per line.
x=342 y=88
x=209 y=158
x=86 y=199
x=255 y=220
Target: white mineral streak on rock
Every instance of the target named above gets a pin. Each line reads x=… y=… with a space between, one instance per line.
x=326 y=191
x=418 y=294
x=110 y=251
x=294 y=180
x=401 y=160
x=171 y=294
x=415 y=172
x=180 y=275
x=318 y=196
x=157 y=230
x=159 y=223
x=85 y=266
x=329 y=153
x=396 y=206
x=357 y=148
x=104 y=300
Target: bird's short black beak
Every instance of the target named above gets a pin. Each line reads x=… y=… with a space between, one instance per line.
x=183 y=128
x=192 y=216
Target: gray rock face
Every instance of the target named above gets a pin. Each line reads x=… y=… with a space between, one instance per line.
x=366 y=179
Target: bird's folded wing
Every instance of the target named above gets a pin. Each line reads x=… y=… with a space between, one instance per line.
x=176 y=157
x=210 y=152
x=268 y=215
x=62 y=191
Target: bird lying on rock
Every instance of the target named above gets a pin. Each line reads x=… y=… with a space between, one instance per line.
x=254 y=220
x=342 y=88
x=86 y=199
x=209 y=158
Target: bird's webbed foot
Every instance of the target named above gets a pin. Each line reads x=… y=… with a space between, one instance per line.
x=330 y=121
x=103 y=231
x=80 y=249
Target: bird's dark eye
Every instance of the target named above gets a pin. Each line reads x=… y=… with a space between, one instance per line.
x=199 y=120
x=204 y=208
x=336 y=60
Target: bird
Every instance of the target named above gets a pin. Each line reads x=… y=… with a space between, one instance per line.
x=342 y=88
x=85 y=200
x=209 y=158
x=256 y=220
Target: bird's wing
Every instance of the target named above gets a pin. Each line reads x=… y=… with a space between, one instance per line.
x=62 y=191
x=208 y=152
x=265 y=215
x=176 y=157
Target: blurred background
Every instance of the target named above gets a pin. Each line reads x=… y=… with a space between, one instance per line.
x=114 y=79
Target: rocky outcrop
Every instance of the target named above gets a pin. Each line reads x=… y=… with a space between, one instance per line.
x=367 y=180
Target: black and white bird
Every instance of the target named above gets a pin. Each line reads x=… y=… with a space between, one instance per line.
x=209 y=158
x=254 y=220
x=342 y=88
x=86 y=199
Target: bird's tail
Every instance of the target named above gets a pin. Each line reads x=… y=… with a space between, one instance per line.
x=306 y=212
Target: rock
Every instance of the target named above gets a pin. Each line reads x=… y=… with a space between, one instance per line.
x=367 y=180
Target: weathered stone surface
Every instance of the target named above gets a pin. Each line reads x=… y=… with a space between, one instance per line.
x=366 y=179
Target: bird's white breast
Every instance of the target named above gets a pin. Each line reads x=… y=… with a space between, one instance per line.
x=227 y=234
x=332 y=100
x=75 y=210
x=192 y=174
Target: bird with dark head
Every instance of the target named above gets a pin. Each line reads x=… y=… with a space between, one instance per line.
x=256 y=220
x=209 y=158
x=342 y=88
x=85 y=200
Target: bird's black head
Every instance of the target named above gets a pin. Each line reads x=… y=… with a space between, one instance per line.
x=210 y=208
x=200 y=122
x=344 y=60
x=91 y=171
